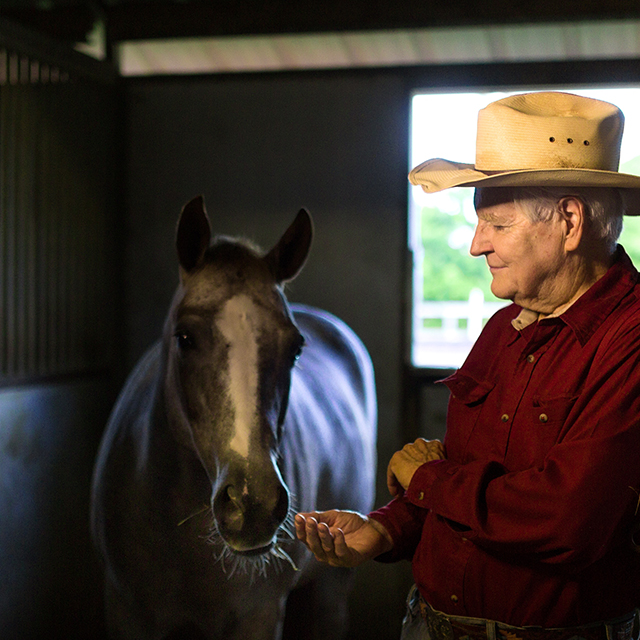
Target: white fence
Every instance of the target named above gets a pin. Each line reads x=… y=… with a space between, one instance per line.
x=447 y=345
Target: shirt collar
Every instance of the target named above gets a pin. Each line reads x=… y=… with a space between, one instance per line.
x=590 y=310
x=524 y=319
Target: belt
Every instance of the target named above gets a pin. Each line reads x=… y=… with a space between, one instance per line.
x=444 y=627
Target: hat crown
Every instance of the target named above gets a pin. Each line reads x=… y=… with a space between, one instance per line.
x=549 y=130
x=546 y=139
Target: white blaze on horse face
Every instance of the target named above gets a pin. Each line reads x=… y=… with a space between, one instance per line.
x=238 y=324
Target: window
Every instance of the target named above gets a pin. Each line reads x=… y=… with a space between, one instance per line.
x=452 y=299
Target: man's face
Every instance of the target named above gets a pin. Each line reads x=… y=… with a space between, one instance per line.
x=525 y=258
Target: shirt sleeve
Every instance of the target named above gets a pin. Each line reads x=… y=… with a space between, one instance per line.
x=403 y=520
x=570 y=509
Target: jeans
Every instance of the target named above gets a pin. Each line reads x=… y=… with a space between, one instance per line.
x=413 y=626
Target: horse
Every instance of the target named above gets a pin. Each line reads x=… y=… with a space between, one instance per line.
x=246 y=410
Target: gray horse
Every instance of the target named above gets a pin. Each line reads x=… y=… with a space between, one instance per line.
x=247 y=409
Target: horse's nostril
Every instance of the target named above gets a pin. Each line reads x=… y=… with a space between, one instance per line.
x=228 y=510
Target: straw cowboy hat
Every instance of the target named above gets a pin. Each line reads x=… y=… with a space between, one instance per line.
x=546 y=139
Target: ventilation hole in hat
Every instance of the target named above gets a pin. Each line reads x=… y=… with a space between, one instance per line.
x=570 y=140
x=586 y=143
x=552 y=139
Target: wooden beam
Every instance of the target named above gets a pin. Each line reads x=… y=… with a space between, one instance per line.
x=162 y=19
x=141 y=20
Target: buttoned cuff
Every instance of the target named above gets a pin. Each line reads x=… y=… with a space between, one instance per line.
x=419 y=491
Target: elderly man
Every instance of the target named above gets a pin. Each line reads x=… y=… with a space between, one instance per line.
x=525 y=524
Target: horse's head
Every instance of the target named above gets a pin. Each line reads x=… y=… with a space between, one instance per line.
x=231 y=343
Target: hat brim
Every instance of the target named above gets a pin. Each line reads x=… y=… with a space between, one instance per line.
x=438 y=174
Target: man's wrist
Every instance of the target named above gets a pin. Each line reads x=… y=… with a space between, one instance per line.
x=386 y=541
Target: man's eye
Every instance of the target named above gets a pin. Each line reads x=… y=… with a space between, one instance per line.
x=184 y=340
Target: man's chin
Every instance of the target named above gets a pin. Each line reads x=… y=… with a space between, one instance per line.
x=502 y=292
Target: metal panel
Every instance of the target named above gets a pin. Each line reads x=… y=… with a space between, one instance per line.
x=57 y=152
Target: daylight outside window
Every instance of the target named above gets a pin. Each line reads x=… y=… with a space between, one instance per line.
x=452 y=299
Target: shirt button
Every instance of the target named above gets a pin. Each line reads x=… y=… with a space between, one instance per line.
x=531 y=358
x=454 y=598
x=421 y=495
x=544 y=417
x=504 y=417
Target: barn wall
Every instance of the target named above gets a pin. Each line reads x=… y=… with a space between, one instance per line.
x=259 y=148
x=51 y=585
x=58 y=301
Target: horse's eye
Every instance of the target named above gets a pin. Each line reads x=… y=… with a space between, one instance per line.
x=184 y=339
x=298 y=349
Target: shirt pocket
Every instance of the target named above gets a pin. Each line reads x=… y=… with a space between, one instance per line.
x=547 y=417
x=468 y=396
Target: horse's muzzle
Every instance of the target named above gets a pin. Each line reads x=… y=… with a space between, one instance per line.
x=248 y=520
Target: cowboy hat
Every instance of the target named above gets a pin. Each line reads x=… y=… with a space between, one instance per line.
x=545 y=139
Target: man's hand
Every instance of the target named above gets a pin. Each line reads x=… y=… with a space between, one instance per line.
x=405 y=462
x=342 y=538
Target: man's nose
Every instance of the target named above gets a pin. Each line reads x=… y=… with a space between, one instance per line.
x=480 y=243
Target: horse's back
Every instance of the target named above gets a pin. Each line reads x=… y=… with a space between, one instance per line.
x=339 y=339
x=331 y=421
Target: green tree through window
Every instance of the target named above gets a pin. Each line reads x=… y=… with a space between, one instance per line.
x=448 y=272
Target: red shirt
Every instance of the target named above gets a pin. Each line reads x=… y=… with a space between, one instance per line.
x=530 y=519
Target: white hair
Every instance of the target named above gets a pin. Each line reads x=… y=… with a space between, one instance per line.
x=604 y=206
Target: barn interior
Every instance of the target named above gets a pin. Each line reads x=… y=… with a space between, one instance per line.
x=115 y=113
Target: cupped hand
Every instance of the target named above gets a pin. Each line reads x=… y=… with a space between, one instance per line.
x=405 y=463
x=342 y=538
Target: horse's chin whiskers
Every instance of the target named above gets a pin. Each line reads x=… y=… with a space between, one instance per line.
x=286 y=531
x=194 y=514
x=257 y=566
x=288 y=526
x=232 y=563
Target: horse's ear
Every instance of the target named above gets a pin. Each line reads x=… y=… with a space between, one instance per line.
x=287 y=258
x=193 y=234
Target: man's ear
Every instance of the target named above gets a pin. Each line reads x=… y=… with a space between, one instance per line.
x=573 y=212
